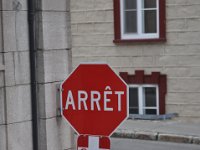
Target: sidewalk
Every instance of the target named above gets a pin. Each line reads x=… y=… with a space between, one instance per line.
x=168 y=130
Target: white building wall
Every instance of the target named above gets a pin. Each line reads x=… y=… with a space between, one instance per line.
x=93 y=32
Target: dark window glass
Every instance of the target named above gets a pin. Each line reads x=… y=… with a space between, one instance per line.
x=150 y=112
x=149 y=3
x=133 y=111
x=150 y=96
x=133 y=101
x=130 y=23
x=150 y=21
x=130 y=4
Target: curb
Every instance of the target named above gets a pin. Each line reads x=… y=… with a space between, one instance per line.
x=156 y=136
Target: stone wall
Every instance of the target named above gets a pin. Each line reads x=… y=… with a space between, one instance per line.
x=53 y=64
x=179 y=58
x=15 y=125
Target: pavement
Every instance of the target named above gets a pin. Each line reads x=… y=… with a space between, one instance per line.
x=176 y=130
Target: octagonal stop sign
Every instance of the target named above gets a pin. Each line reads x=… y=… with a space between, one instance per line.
x=94 y=100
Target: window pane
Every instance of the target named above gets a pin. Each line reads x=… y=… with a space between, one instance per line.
x=133 y=100
x=150 y=4
x=130 y=23
x=133 y=111
x=150 y=111
x=130 y=4
x=150 y=96
x=150 y=21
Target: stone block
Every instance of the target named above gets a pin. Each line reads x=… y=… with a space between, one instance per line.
x=58 y=134
x=178 y=60
x=21 y=32
x=1 y=61
x=183 y=38
x=18 y=103
x=184 y=85
x=185 y=11
x=3 y=137
x=61 y=5
x=147 y=61
x=20 y=136
x=120 y=61
x=106 y=27
x=193 y=24
x=176 y=2
x=92 y=40
x=14 y=5
x=183 y=98
x=1 y=78
x=177 y=72
x=84 y=28
x=48 y=99
x=106 y=51
x=17 y=69
x=22 y=67
x=2 y=109
x=1 y=46
x=15 y=31
x=55 y=30
x=9 y=32
x=103 y=4
x=174 y=138
x=145 y=135
x=190 y=110
x=55 y=65
x=182 y=72
x=176 y=25
x=9 y=69
x=81 y=5
x=92 y=16
x=42 y=134
x=152 y=50
x=184 y=50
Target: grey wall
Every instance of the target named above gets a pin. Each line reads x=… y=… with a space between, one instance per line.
x=15 y=127
x=53 y=65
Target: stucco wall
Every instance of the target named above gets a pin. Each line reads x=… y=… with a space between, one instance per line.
x=92 y=35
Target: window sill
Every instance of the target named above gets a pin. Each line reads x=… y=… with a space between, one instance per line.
x=119 y=41
x=153 y=117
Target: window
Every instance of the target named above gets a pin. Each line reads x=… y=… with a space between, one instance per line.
x=143 y=99
x=139 y=20
x=146 y=92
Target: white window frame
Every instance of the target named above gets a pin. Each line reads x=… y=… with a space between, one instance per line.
x=141 y=97
x=140 y=26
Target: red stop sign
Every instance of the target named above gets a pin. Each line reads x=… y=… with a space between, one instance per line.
x=94 y=99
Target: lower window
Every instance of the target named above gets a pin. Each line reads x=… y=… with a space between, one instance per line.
x=143 y=99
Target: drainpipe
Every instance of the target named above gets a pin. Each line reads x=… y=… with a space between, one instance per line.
x=32 y=48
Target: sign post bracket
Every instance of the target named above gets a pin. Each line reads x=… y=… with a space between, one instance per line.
x=58 y=101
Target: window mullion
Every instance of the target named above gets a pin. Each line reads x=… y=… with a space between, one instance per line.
x=140 y=100
x=157 y=100
x=139 y=17
x=122 y=16
x=158 y=18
